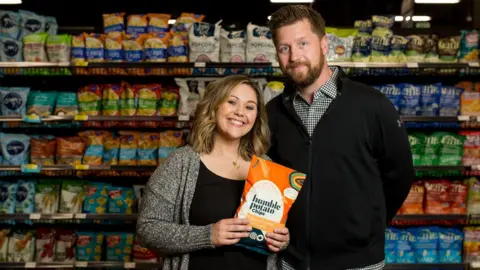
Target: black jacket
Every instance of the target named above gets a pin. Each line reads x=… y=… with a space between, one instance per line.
x=359 y=171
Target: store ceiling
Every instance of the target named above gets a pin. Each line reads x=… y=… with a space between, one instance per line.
x=336 y=12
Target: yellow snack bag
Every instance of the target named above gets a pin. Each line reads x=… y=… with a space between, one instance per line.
x=137 y=24
x=114 y=22
x=78 y=48
x=111 y=149
x=95 y=146
x=177 y=49
x=158 y=23
x=114 y=47
x=156 y=45
x=168 y=141
x=128 y=150
x=94 y=44
x=148 y=149
x=148 y=96
x=111 y=94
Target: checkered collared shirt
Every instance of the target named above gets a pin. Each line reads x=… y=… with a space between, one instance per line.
x=310 y=114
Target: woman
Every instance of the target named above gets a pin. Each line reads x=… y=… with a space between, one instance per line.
x=190 y=201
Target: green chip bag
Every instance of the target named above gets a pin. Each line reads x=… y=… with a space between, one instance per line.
x=432 y=145
x=451 y=149
x=417 y=145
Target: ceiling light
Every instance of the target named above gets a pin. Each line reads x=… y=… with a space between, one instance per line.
x=407 y=18
x=269 y=17
x=437 y=1
x=10 y=2
x=292 y=1
x=169 y=21
x=399 y=18
x=421 y=18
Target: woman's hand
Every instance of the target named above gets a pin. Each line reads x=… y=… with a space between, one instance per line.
x=278 y=240
x=229 y=231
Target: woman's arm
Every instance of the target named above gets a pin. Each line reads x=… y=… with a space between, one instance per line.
x=156 y=228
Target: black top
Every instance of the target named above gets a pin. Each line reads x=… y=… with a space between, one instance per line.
x=217 y=198
x=359 y=170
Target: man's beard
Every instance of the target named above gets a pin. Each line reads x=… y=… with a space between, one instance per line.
x=312 y=73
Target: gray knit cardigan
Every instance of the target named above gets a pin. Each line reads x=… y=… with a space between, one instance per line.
x=163 y=223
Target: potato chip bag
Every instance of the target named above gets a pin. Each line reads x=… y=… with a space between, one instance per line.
x=67 y=104
x=94 y=47
x=15 y=149
x=128 y=150
x=11 y=50
x=113 y=22
x=114 y=47
x=413 y=204
x=340 y=44
x=469 y=46
x=137 y=24
x=34 y=48
x=111 y=99
x=95 y=142
x=111 y=149
x=448 y=48
x=41 y=103
x=65 y=248
x=72 y=196
x=89 y=100
x=168 y=103
x=457 y=195
x=45 y=244
x=177 y=49
x=32 y=23
x=270 y=190
x=42 y=149
x=436 y=201
x=59 y=48
x=148 y=149
x=96 y=198
x=8 y=192
x=133 y=47
x=70 y=150
x=128 y=100
x=4 y=244
x=119 y=246
x=121 y=200
x=47 y=196
x=89 y=246
x=158 y=23
x=450 y=245
x=156 y=45
x=10 y=24
x=168 y=141
x=14 y=101
x=415 y=48
x=21 y=246
x=142 y=254
x=148 y=96
x=78 y=48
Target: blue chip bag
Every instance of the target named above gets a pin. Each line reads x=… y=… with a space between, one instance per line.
x=119 y=246
x=89 y=246
x=430 y=100
x=11 y=50
x=32 y=23
x=425 y=244
x=410 y=101
x=8 y=191
x=405 y=252
x=121 y=200
x=361 y=48
x=450 y=101
x=393 y=93
x=96 y=198
x=25 y=197
x=14 y=101
x=15 y=148
x=10 y=24
x=450 y=245
x=392 y=236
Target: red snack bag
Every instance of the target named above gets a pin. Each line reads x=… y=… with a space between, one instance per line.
x=141 y=254
x=437 y=199
x=45 y=244
x=458 y=198
x=65 y=250
x=414 y=202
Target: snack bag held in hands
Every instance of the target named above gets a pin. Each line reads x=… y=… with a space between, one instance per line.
x=269 y=193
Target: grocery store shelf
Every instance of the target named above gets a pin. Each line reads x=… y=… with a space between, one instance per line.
x=59 y=216
x=401 y=266
x=430 y=217
x=33 y=168
x=444 y=168
x=462 y=118
x=125 y=265
x=33 y=64
x=184 y=118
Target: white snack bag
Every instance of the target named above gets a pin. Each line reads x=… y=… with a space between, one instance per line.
x=4 y=244
x=191 y=91
x=232 y=46
x=272 y=89
x=204 y=42
x=260 y=46
x=21 y=246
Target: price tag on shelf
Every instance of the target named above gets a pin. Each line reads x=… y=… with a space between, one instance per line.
x=31 y=265
x=35 y=216
x=474 y=64
x=412 y=65
x=36 y=119
x=129 y=265
x=463 y=118
x=79 y=117
x=30 y=168
x=80 y=216
x=81 y=264
x=200 y=64
x=82 y=167
x=81 y=63
x=183 y=117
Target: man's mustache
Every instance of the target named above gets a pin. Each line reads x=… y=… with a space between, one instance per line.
x=297 y=64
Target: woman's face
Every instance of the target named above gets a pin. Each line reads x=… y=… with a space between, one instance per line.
x=236 y=116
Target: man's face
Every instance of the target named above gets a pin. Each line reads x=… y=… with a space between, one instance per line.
x=300 y=52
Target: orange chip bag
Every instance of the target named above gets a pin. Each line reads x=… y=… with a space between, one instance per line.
x=437 y=202
x=414 y=202
x=269 y=192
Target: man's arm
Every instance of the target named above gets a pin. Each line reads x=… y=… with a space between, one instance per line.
x=271 y=114
x=395 y=158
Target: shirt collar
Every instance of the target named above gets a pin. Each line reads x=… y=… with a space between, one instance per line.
x=329 y=88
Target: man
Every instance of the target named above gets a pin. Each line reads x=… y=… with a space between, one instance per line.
x=349 y=140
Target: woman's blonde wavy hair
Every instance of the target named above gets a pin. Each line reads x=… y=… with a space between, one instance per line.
x=202 y=135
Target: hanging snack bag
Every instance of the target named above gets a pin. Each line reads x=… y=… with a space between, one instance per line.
x=25 y=197
x=45 y=244
x=73 y=194
x=47 y=196
x=15 y=149
x=450 y=101
x=137 y=24
x=410 y=102
x=156 y=45
x=436 y=200
x=21 y=246
x=448 y=49
x=204 y=44
x=65 y=248
x=148 y=149
x=59 y=48
x=425 y=244
x=232 y=49
x=121 y=200
x=41 y=103
x=11 y=50
x=457 y=195
x=34 y=48
x=191 y=91
x=260 y=47
x=413 y=204
x=4 y=244
x=113 y=22
x=469 y=46
x=119 y=246
x=168 y=141
x=14 y=101
x=158 y=22
x=94 y=47
x=67 y=104
x=430 y=99
x=416 y=48
x=8 y=192
x=96 y=198
x=398 y=49
x=70 y=150
x=10 y=24
x=392 y=236
x=450 y=245
x=31 y=23
x=51 y=25
x=89 y=246
x=340 y=44
x=270 y=190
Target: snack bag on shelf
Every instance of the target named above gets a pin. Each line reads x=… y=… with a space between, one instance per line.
x=158 y=22
x=413 y=204
x=425 y=244
x=11 y=50
x=148 y=97
x=431 y=156
x=168 y=141
x=393 y=93
x=11 y=24
x=183 y=23
x=41 y=103
x=8 y=192
x=72 y=196
x=362 y=48
x=59 y=48
x=364 y=27
x=128 y=103
x=468 y=46
x=65 y=247
x=448 y=49
x=451 y=149
x=392 y=236
x=111 y=94
x=469 y=99
x=204 y=44
x=45 y=244
x=4 y=244
x=128 y=150
x=148 y=149
x=114 y=47
x=431 y=50
x=270 y=190
x=168 y=102
x=436 y=199
x=177 y=50
x=430 y=99
x=398 y=49
x=121 y=200
x=471 y=244
x=21 y=246
x=156 y=45
x=78 y=48
x=114 y=22
x=191 y=91
x=31 y=23
x=417 y=147
x=14 y=101
x=51 y=25
x=119 y=246
x=47 y=196
x=405 y=252
x=450 y=101
x=457 y=195
x=34 y=48
x=415 y=48
x=450 y=245
x=133 y=48
x=95 y=140
x=94 y=48
x=70 y=150
x=383 y=21
x=340 y=44
x=143 y=255
x=25 y=197
x=410 y=102
x=381 y=40
x=473 y=200
x=89 y=246
x=137 y=24
x=232 y=49
x=260 y=47
x=111 y=149
x=471 y=149
x=96 y=198
x=66 y=104
x=15 y=149
x=90 y=103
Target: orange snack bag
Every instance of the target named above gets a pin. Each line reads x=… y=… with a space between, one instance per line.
x=437 y=202
x=413 y=204
x=458 y=198
x=269 y=192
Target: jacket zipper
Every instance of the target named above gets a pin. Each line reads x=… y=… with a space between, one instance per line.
x=307 y=219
